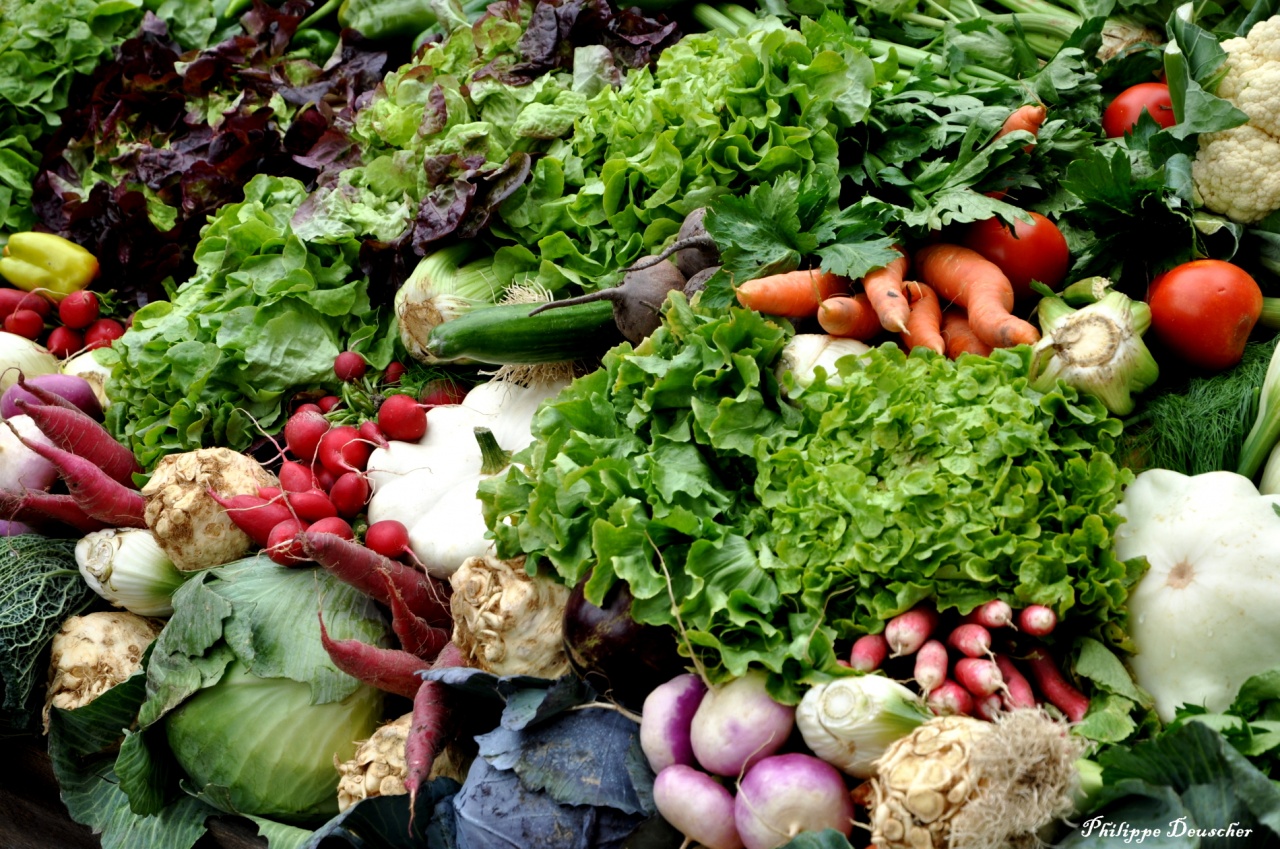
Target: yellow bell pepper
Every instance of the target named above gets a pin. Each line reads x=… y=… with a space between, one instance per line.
x=48 y=263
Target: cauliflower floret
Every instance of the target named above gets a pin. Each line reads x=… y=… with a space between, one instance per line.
x=1237 y=171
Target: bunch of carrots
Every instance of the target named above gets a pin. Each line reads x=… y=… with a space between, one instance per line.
x=979 y=298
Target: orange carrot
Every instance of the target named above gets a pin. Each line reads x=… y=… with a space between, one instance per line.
x=884 y=290
x=963 y=277
x=849 y=317
x=925 y=320
x=1030 y=118
x=960 y=337
x=792 y=294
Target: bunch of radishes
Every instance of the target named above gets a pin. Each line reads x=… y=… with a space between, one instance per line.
x=65 y=328
x=722 y=778
x=969 y=667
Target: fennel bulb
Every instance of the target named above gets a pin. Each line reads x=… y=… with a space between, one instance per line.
x=442 y=288
x=128 y=568
x=850 y=722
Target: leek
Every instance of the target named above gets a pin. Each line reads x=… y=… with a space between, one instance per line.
x=1264 y=434
x=129 y=569
x=442 y=287
x=1097 y=349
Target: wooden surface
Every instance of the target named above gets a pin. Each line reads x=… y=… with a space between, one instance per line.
x=32 y=815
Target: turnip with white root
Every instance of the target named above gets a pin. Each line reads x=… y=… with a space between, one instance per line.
x=667 y=720
x=738 y=724
x=784 y=795
x=699 y=806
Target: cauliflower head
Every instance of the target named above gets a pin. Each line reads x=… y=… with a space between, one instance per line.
x=1237 y=171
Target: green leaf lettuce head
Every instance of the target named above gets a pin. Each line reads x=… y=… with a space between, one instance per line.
x=264 y=316
x=787 y=526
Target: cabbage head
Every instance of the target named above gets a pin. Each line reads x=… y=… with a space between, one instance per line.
x=242 y=690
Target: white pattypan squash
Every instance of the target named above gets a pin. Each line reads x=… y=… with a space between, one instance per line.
x=430 y=485
x=1206 y=616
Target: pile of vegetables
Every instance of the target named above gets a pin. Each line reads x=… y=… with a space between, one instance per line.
x=553 y=424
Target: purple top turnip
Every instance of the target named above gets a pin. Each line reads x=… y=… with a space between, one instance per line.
x=739 y=723
x=698 y=806
x=784 y=795
x=667 y=718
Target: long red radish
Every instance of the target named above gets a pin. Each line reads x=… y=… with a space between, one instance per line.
x=296 y=477
x=971 y=640
x=993 y=614
x=1037 y=620
x=959 y=336
x=416 y=635
x=356 y=565
x=1056 y=690
x=884 y=288
x=964 y=277
x=96 y=494
x=987 y=707
x=312 y=505
x=849 y=317
x=252 y=514
x=429 y=727
x=980 y=677
x=793 y=294
x=39 y=508
x=1030 y=118
x=869 y=651
x=77 y=433
x=390 y=670
x=950 y=699
x=924 y=320
x=1017 y=689
x=931 y=665
x=908 y=631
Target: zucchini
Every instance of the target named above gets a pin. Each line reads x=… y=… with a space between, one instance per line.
x=505 y=334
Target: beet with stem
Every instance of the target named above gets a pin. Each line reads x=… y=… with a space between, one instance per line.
x=637 y=302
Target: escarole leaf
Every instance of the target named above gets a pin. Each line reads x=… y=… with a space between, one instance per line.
x=40 y=587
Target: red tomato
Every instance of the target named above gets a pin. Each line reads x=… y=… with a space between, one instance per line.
x=1204 y=310
x=1123 y=112
x=1035 y=251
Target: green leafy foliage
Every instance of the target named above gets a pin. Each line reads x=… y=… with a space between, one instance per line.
x=264 y=316
x=774 y=529
x=1251 y=724
x=41 y=587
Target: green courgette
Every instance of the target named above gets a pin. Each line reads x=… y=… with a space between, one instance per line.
x=506 y=334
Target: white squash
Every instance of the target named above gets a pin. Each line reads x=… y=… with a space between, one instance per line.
x=430 y=486
x=1204 y=617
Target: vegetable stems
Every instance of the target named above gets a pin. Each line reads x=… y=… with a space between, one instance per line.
x=319 y=14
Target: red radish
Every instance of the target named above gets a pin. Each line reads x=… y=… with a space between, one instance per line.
x=950 y=699
x=360 y=567
x=1017 y=693
x=666 y=720
x=1056 y=690
x=78 y=434
x=978 y=676
x=970 y=640
x=63 y=342
x=282 y=543
x=303 y=430
x=394 y=372
x=908 y=631
x=349 y=366
x=349 y=494
x=390 y=670
x=102 y=333
x=42 y=507
x=416 y=635
x=428 y=731
x=28 y=324
x=342 y=450
x=440 y=393
x=270 y=493
x=78 y=310
x=333 y=525
x=402 y=418
x=1037 y=620
x=931 y=665
x=987 y=707
x=253 y=514
x=325 y=479
x=370 y=432
x=312 y=505
x=993 y=614
x=12 y=300
x=697 y=805
x=295 y=477
x=869 y=651
x=329 y=403
x=307 y=407
x=842 y=662
x=388 y=538
x=94 y=492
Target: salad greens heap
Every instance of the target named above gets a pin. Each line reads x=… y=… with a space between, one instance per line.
x=767 y=528
x=263 y=317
